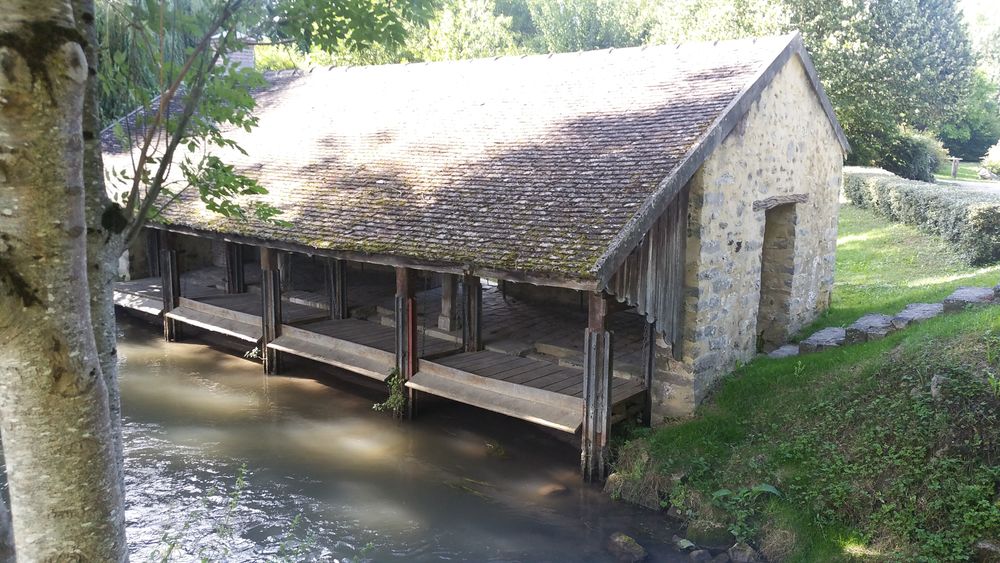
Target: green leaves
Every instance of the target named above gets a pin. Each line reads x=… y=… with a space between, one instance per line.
x=228 y=193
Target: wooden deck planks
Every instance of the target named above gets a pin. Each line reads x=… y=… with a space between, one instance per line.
x=533 y=373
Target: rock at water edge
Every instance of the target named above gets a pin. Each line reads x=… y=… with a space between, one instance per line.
x=743 y=553
x=625 y=548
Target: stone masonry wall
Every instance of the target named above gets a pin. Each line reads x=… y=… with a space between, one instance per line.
x=785 y=145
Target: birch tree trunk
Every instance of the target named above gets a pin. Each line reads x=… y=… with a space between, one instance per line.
x=54 y=415
x=105 y=224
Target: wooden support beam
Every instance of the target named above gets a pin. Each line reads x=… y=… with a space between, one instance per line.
x=648 y=370
x=235 y=283
x=597 y=369
x=153 y=252
x=336 y=288
x=472 y=314
x=270 y=285
x=406 y=332
x=284 y=266
x=449 y=318
x=170 y=284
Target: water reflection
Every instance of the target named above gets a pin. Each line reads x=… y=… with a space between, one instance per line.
x=458 y=483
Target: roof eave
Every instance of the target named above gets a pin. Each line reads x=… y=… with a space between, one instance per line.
x=631 y=235
x=534 y=278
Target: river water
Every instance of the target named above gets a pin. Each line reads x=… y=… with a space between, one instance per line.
x=329 y=479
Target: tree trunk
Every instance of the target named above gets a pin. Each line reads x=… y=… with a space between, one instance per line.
x=105 y=224
x=54 y=416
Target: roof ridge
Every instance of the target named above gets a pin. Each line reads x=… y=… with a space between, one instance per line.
x=523 y=56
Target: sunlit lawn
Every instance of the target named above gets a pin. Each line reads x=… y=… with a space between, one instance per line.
x=967 y=172
x=883 y=266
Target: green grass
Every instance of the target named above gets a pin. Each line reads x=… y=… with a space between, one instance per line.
x=870 y=465
x=967 y=172
x=883 y=266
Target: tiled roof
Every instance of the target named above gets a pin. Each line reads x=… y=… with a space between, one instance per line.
x=518 y=164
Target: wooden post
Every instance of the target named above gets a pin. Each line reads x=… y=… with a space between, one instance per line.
x=648 y=370
x=406 y=333
x=448 y=320
x=235 y=282
x=472 y=314
x=170 y=283
x=270 y=285
x=954 y=166
x=596 y=391
x=284 y=266
x=153 y=252
x=336 y=288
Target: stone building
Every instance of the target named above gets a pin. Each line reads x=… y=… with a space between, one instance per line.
x=675 y=206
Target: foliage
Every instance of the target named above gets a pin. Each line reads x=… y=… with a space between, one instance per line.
x=742 y=505
x=915 y=156
x=713 y=20
x=579 y=25
x=976 y=126
x=968 y=219
x=396 y=401
x=191 y=95
x=991 y=161
x=875 y=461
x=886 y=64
x=463 y=29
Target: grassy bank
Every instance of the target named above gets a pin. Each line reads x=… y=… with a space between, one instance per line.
x=967 y=172
x=883 y=266
x=886 y=451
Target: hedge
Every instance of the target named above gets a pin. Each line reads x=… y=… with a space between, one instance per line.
x=967 y=217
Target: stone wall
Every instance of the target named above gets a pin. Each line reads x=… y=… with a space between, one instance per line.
x=784 y=146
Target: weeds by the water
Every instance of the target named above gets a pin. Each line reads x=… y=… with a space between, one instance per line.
x=396 y=401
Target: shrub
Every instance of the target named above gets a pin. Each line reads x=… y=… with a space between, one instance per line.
x=969 y=219
x=915 y=156
x=991 y=161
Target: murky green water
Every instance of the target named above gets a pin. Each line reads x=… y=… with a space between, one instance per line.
x=329 y=479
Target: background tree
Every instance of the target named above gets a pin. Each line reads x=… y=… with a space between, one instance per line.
x=887 y=63
x=58 y=383
x=970 y=132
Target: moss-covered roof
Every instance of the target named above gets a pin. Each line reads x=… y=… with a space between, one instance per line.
x=518 y=164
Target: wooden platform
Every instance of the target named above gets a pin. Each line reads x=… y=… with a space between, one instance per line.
x=524 y=388
x=145 y=295
x=237 y=315
x=362 y=347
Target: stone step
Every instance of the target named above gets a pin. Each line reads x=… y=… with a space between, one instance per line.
x=915 y=313
x=786 y=351
x=827 y=338
x=873 y=326
x=968 y=297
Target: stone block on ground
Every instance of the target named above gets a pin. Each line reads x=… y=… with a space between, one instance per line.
x=827 y=338
x=968 y=296
x=785 y=351
x=915 y=313
x=869 y=327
